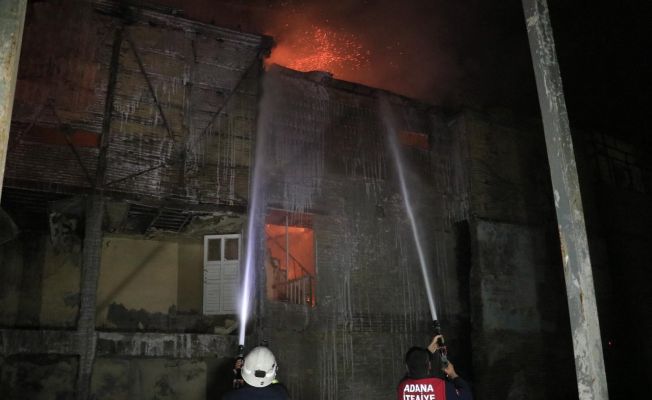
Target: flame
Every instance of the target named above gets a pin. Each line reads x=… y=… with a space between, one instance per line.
x=317 y=48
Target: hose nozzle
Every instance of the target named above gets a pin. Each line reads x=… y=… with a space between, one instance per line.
x=437 y=331
x=238 y=382
x=442 y=349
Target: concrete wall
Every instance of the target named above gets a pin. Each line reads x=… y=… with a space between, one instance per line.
x=38 y=377
x=137 y=274
x=60 y=293
x=518 y=302
x=22 y=261
x=124 y=378
x=11 y=259
x=518 y=313
x=155 y=284
x=191 y=275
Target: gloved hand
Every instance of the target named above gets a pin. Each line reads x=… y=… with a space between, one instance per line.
x=434 y=345
x=449 y=370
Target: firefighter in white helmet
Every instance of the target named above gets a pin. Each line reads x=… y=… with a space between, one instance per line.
x=259 y=373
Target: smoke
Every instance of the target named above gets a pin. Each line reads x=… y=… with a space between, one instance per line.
x=440 y=51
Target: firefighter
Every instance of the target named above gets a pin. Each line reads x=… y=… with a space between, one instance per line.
x=259 y=374
x=422 y=383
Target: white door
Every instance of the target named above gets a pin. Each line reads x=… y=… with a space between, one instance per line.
x=221 y=273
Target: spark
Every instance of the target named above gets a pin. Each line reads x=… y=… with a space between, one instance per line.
x=321 y=49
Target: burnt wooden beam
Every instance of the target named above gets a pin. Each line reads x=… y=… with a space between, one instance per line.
x=228 y=99
x=138 y=173
x=37 y=117
x=149 y=84
x=65 y=130
x=108 y=106
x=184 y=223
x=71 y=145
x=153 y=221
x=187 y=110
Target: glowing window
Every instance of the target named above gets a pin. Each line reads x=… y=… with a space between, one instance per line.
x=290 y=258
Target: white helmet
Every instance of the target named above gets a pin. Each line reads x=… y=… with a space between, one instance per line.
x=259 y=368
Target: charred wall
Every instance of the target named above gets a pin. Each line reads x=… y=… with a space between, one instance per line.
x=182 y=108
x=371 y=305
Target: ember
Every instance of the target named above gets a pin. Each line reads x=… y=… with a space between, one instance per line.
x=323 y=49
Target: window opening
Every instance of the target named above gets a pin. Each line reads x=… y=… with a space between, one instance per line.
x=416 y=140
x=290 y=259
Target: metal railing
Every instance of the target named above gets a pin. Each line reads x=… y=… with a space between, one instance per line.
x=297 y=291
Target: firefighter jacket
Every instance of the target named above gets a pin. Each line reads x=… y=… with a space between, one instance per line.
x=431 y=388
x=275 y=391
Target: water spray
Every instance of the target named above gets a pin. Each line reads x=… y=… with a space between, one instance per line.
x=254 y=225
x=398 y=161
x=245 y=300
x=387 y=116
x=253 y=228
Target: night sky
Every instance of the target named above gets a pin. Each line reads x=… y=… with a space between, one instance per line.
x=463 y=52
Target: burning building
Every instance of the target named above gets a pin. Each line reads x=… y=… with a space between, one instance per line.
x=140 y=139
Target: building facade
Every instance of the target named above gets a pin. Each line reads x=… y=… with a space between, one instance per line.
x=150 y=155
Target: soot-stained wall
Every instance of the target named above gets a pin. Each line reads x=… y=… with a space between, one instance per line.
x=23 y=261
x=38 y=376
x=137 y=274
x=120 y=378
x=329 y=158
x=182 y=113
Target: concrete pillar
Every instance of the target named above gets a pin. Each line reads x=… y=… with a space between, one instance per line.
x=585 y=327
x=92 y=252
x=12 y=20
x=91 y=257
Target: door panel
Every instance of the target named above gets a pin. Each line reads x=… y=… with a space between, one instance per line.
x=221 y=273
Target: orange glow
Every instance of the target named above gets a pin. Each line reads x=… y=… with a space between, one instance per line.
x=290 y=263
x=302 y=251
x=417 y=140
x=79 y=138
x=320 y=49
